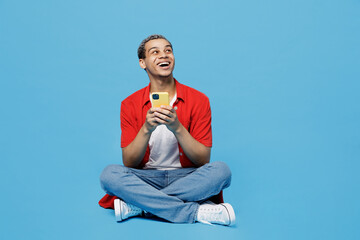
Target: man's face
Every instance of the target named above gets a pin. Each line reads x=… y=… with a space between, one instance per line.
x=159 y=59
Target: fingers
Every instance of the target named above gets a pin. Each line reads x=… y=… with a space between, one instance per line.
x=162 y=115
x=162 y=118
x=155 y=113
x=165 y=110
x=166 y=116
x=151 y=121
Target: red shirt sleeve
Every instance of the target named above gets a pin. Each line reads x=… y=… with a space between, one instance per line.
x=127 y=120
x=200 y=127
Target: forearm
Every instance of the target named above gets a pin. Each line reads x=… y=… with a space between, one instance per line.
x=198 y=153
x=134 y=153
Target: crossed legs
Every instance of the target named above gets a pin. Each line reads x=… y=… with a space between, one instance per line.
x=173 y=195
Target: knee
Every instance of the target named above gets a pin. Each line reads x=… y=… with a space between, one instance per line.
x=223 y=171
x=110 y=174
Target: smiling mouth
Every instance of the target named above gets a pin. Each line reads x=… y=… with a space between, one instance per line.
x=164 y=64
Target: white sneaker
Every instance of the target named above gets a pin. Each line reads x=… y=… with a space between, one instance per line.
x=125 y=210
x=209 y=213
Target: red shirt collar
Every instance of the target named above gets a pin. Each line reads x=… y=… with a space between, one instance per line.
x=179 y=92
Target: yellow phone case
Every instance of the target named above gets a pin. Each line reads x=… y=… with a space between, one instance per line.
x=159 y=98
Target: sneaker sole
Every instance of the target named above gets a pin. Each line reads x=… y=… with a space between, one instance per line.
x=117 y=208
x=231 y=213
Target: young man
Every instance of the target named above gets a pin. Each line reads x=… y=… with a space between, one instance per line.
x=166 y=151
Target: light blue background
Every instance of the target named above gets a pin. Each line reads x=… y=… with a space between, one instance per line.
x=283 y=80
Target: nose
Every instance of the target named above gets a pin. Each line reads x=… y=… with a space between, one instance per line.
x=163 y=54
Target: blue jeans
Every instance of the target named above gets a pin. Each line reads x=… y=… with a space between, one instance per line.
x=173 y=195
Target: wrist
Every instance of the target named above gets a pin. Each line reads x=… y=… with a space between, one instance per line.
x=179 y=130
x=145 y=130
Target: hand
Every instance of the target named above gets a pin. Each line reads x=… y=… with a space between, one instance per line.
x=167 y=115
x=151 y=122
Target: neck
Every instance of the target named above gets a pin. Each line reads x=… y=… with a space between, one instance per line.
x=163 y=85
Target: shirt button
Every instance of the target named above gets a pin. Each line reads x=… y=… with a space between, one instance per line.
x=175 y=108
x=180 y=154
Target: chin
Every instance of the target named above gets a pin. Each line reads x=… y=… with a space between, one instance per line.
x=165 y=74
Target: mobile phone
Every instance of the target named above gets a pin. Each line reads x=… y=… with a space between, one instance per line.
x=159 y=98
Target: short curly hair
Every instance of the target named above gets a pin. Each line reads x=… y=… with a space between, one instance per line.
x=141 y=49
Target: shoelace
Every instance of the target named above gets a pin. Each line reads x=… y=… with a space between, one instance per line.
x=134 y=210
x=212 y=213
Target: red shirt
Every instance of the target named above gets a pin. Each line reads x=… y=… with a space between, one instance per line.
x=193 y=111
x=192 y=108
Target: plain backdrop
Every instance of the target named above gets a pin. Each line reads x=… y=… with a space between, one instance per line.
x=283 y=81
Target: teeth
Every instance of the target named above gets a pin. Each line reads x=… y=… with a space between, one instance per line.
x=164 y=63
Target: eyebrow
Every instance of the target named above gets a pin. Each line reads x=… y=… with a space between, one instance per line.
x=158 y=47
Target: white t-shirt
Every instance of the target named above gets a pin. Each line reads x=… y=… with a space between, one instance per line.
x=164 y=149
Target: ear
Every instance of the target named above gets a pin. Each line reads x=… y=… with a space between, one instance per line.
x=142 y=63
